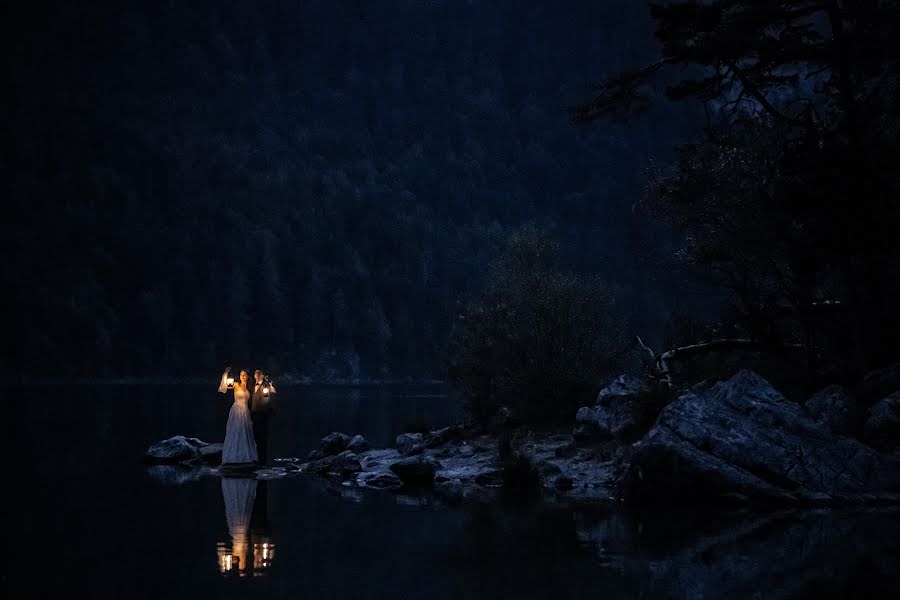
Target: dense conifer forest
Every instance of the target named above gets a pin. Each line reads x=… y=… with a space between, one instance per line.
x=313 y=187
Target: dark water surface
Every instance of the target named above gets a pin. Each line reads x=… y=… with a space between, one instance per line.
x=87 y=520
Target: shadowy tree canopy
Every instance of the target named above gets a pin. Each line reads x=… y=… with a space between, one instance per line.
x=789 y=199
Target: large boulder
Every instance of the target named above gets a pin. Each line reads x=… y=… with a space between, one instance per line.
x=334 y=443
x=882 y=427
x=409 y=442
x=834 y=408
x=358 y=444
x=416 y=469
x=174 y=450
x=742 y=441
x=624 y=408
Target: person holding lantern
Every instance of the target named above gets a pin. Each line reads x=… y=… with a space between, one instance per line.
x=261 y=408
x=240 y=446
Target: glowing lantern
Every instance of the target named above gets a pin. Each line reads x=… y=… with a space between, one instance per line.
x=266 y=391
x=229 y=382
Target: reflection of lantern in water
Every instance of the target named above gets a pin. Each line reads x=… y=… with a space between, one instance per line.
x=226 y=562
x=263 y=555
x=234 y=558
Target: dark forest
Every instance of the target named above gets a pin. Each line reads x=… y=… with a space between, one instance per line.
x=170 y=161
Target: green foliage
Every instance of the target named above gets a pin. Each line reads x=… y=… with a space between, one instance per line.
x=536 y=339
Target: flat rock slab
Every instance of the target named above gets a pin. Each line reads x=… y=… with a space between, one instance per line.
x=742 y=441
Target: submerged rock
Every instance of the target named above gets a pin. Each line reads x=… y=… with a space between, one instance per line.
x=174 y=450
x=882 y=427
x=742 y=441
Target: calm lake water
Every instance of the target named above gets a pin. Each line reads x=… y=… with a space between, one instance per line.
x=88 y=520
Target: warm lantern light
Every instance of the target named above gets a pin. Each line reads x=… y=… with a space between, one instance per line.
x=229 y=382
x=235 y=558
x=266 y=391
x=263 y=555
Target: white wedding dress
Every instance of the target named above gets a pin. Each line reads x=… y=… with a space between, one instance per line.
x=239 y=495
x=239 y=446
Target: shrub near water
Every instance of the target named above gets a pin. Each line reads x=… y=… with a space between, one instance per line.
x=537 y=340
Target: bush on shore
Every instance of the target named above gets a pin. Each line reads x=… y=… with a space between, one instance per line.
x=537 y=339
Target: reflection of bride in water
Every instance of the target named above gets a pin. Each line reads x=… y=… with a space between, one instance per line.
x=250 y=551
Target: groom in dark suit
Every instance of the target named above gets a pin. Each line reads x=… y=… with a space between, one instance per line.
x=261 y=408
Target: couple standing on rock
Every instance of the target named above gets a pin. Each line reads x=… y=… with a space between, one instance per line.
x=247 y=430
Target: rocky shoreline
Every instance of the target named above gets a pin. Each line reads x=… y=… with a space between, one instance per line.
x=736 y=442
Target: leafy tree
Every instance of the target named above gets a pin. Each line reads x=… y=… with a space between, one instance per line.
x=788 y=199
x=536 y=340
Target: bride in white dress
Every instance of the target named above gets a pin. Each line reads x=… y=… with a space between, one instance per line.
x=239 y=446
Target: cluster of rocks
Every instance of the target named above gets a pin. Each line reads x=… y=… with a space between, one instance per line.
x=454 y=462
x=734 y=441
x=187 y=451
